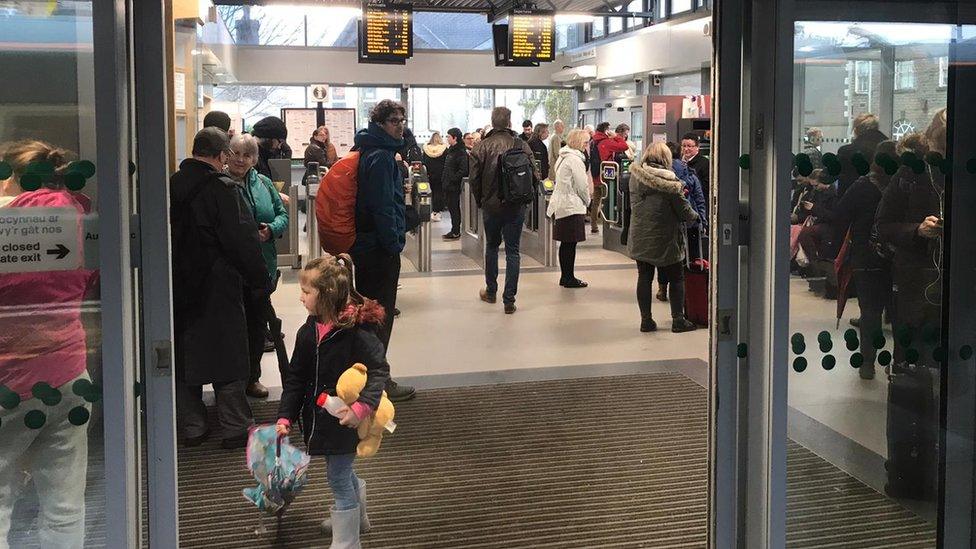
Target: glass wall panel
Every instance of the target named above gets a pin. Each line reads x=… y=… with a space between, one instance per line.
x=52 y=490
x=265 y=26
x=253 y=103
x=537 y=105
x=439 y=109
x=866 y=286
x=681 y=6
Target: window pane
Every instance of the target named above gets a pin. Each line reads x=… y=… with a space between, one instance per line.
x=537 y=105
x=904 y=75
x=680 y=6
x=332 y=30
x=451 y=31
x=260 y=26
x=599 y=28
x=439 y=109
x=943 y=71
x=252 y=103
x=616 y=24
x=636 y=6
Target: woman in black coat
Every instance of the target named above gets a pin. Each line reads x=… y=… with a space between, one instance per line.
x=433 y=159
x=539 y=149
x=455 y=170
x=910 y=222
x=872 y=267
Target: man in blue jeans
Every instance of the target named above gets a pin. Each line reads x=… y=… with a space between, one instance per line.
x=501 y=221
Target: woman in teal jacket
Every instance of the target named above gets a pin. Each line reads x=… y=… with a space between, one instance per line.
x=272 y=220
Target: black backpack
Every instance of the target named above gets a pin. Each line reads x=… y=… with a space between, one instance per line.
x=516 y=178
x=594 y=159
x=191 y=260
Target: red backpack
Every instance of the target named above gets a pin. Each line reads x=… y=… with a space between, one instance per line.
x=335 y=205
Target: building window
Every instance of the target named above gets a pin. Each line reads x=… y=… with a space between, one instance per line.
x=943 y=71
x=598 y=28
x=904 y=75
x=862 y=77
x=680 y=6
x=636 y=6
x=616 y=24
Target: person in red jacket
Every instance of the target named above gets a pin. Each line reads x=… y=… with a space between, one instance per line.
x=607 y=146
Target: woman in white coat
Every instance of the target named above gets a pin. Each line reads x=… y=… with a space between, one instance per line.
x=569 y=202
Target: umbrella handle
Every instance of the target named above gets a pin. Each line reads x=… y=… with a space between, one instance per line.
x=278 y=446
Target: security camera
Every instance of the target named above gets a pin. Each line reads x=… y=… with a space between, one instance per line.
x=638 y=80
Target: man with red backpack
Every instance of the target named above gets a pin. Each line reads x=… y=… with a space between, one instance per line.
x=380 y=217
x=603 y=147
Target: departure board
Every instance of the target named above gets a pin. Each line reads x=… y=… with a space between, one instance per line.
x=531 y=36
x=386 y=33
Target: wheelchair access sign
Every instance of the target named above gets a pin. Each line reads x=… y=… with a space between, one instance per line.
x=40 y=239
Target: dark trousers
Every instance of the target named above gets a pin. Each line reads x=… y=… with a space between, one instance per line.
x=454 y=206
x=505 y=226
x=675 y=276
x=873 y=297
x=377 y=276
x=812 y=240
x=257 y=329
x=436 y=196
x=567 y=261
x=233 y=410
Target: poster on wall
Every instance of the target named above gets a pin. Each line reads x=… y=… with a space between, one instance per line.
x=301 y=125
x=179 y=90
x=342 y=129
x=659 y=113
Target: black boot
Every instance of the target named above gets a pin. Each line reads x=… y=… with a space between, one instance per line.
x=399 y=393
x=682 y=324
x=648 y=325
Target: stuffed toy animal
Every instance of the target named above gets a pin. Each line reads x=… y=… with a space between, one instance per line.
x=370 y=430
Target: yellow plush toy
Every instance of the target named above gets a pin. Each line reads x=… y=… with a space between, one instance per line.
x=350 y=383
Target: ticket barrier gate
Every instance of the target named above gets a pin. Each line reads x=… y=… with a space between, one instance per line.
x=288 y=245
x=314 y=248
x=417 y=248
x=472 y=233
x=615 y=178
x=549 y=245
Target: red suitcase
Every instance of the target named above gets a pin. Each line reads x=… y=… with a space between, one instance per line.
x=696 y=284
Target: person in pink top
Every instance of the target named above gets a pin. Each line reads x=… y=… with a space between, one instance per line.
x=44 y=378
x=339 y=333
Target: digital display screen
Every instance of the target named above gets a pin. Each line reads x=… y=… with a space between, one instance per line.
x=386 y=33
x=531 y=36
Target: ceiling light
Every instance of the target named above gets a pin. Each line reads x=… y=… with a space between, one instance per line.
x=608 y=80
x=806 y=49
x=655 y=73
x=463 y=85
x=350 y=83
x=570 y=18
x=195 y=52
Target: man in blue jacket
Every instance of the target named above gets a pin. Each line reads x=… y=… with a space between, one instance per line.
x=380 y=218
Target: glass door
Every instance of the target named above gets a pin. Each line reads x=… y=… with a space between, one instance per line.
x=854 y=241
x=68 y=419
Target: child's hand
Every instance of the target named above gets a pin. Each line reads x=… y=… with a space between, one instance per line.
x=282 y=428
x=349 y=418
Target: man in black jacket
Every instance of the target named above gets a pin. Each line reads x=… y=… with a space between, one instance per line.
x=272 y=135
x=867 y=137
x=502 y=221
x=223 y=253
x=691 y=154
x=455 y=170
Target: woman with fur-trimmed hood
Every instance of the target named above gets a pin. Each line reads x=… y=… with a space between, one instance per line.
x=659 y=211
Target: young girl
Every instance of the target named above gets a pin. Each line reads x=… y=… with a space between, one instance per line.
x=337 y=335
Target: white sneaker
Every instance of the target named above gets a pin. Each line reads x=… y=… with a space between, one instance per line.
x=436 y=216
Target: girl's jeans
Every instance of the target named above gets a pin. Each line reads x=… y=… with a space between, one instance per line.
x=343 y=481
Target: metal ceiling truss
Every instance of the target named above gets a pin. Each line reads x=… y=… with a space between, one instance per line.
x=495 y=9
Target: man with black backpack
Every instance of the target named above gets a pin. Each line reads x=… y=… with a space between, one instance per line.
x=503 y=181
x=216 y=256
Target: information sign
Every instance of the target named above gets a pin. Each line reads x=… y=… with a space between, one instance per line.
x=531 y=36
x=386 y=33
x=39 y=239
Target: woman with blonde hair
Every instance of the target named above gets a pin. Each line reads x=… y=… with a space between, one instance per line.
x=910 y=222
x=433 y=158
x=568 y=204
x=659 y=211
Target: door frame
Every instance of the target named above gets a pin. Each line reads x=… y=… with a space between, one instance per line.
x=749 y=408
x=115 y=271
x=151 y=99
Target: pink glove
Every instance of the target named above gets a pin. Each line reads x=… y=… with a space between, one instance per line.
x=361 y=410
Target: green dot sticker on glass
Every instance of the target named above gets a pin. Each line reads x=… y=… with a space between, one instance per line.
x=826 y=346
x=935 y=159
x=966 y=352
x=939 y=354
x=797 y=338
x=6 y=170
x=35 y=419
x=81 y=387
x=884 y=358
x=804 y=166
x=86 y=168
x=94 y=394
x=742 y=350
x=889 y=164
x=8 y=399
x=74 y=181
x=828 y=362
x=799 y=364
x=912 y=160
x=79 y=416
x=832 y=163
x=745 y=162
x=799 y=348
x=879 y=342
x=30 y=182
x=857 y=360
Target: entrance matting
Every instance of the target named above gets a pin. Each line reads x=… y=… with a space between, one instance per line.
x=599 y=462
